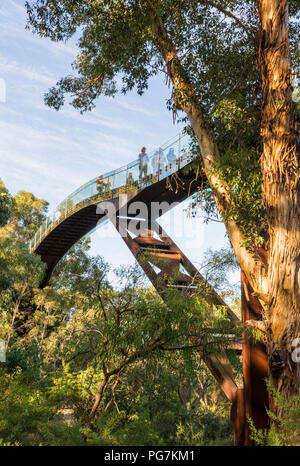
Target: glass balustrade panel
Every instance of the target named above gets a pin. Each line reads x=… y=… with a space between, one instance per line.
x=161 y=163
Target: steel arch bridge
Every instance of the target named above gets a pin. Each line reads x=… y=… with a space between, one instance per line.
x=126 y=197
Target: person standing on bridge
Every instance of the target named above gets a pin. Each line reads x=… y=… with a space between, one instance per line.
x=171 y=157
x=100 y=184
x=107 y=185
x=130 y=179
x=158 y=161
x=143 y=163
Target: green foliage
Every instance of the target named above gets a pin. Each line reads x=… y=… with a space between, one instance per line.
x=125 y=430
x=65 y=340
x=81 y=330
x=117 y=43
x=86 y=333
x=216 y=55
x=240 y=168
x=117 y=38
x=27 y=214
x=216 y=266
x=285 y=426
x=21 y=271
x=208 y=426
x=6 y=203
x=22 y=405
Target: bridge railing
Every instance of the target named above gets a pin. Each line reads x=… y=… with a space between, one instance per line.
x=160 y=163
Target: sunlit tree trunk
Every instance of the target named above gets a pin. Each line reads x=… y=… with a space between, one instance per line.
x=280 y=169
x=186 y=100
x=278 y=288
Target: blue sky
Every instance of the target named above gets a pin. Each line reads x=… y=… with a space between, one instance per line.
x=52 y=153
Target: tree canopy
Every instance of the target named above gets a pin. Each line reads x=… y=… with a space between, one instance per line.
x=215 y=52
x=95 y=361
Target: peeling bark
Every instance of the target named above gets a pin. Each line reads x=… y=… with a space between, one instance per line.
x=281 y=192
x=276 y=283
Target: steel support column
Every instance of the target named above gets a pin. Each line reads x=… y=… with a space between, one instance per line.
x=255 y=366
x=162 y=254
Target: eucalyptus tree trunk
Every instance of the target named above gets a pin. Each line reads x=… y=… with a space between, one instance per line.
x=275 y=278
x=281 y=192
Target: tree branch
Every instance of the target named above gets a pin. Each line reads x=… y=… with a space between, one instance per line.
x=229 y=14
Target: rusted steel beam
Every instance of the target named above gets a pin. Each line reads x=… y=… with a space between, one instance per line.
x=255 y=366
x=218 y=365
x=238 y=418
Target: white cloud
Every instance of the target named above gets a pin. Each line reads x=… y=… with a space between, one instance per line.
x=14 y=24
x=134 y=108
x=21 y=71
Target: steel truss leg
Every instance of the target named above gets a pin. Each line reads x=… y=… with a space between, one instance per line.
x=255 y=366
x=161 y=259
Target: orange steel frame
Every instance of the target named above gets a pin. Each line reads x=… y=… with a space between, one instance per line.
x=249 y=401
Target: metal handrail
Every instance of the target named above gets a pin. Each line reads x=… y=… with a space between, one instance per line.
x=161 y=163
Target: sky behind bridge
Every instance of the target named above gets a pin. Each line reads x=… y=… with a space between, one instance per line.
x=52 y=153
